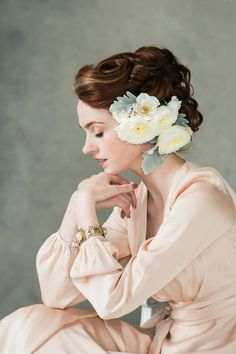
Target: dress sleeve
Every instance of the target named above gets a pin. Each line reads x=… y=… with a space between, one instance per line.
x=55 y=258
x=53 y=262
x=199 y=215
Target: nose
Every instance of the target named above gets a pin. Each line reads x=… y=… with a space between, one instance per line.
x=89 y=148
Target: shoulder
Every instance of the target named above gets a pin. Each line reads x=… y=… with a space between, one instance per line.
x=203 y=192
x=206 y=182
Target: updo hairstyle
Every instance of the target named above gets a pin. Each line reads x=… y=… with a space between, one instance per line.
x=150 y=69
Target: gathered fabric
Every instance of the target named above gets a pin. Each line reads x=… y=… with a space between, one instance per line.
x=189 y=264
x=220 y=304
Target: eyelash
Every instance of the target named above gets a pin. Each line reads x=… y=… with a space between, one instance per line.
x=99 y=135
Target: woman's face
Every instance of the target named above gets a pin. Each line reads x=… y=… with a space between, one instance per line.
x=113 y=154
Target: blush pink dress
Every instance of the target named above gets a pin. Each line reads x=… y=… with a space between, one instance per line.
x=190 y=264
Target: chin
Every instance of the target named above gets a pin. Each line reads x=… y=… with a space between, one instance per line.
x=113 y=170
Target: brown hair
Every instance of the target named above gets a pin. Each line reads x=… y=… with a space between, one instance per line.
x=150 y=69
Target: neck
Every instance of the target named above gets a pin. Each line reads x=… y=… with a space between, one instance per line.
x=159 y=181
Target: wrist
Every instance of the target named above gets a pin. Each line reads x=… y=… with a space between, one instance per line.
x=85 y=211
x=92 y=231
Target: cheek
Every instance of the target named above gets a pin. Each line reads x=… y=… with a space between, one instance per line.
x=115 y=145
x=125 y=153
x=121 y=149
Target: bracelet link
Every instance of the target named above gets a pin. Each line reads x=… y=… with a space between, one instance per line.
x=91 y=231
x=94 y=230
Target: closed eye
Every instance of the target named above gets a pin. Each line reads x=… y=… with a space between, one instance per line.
x=99 y=135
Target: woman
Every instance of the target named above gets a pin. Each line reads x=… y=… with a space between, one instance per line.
x=172 y=237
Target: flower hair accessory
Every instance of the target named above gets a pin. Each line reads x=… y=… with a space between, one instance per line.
x=145 y=119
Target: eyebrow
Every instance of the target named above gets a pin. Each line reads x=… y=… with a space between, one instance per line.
x=91 y=123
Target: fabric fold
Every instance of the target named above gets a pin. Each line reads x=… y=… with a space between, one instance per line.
x=190 y=263
x=161 y=257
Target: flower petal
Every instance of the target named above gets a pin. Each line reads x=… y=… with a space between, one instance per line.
x=166 y=116
x=136 y=130
x=173 y=138
x=174 y=103
x=146 y=105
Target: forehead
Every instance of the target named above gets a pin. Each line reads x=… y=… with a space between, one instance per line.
x=88 y=114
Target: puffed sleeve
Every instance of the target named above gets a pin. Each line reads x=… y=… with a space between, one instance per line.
x=200 y=214
x=55 y=259
x=53 y=262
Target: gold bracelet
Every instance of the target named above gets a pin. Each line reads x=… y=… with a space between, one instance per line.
x=91 y=231
x=95 y=230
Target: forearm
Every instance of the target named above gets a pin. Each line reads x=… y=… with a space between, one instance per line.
x=80 y=213
x=68 y=226
x=85 y=211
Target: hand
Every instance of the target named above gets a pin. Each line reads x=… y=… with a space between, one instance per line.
x=110 y=190
x=123 y=201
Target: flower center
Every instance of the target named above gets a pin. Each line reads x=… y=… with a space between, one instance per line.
x=174 y=141
x=163 y=122
x=145 y=109
x=140 y=129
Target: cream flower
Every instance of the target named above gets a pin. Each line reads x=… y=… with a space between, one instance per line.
x=143 y=119
x=146 y=105
x=173 y=138
x=174 y=103
x=137 y=130
x=166 y=117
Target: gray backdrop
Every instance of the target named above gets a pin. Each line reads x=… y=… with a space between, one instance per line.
x=43 y=44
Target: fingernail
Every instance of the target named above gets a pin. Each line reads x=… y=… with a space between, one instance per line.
x=135 y=185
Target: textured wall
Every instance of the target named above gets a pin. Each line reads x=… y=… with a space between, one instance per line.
x=43 y=43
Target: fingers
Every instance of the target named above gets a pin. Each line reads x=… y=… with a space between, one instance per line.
x=115 y=179
x=104 y=187
x=133 y=199
x=124 y=202
x=120 y=180
x=124 y=188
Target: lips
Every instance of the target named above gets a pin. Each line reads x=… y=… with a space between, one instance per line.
x=101 y=161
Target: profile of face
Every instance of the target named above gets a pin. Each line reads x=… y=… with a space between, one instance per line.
x=112 y=154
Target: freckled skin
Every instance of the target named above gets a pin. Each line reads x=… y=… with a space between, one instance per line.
x=121 y=156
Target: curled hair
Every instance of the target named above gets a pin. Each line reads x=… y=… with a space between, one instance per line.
x=152 y=70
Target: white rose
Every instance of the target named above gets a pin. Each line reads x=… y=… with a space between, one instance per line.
x=173 y=138
x=146 y=105
x=137 y=130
